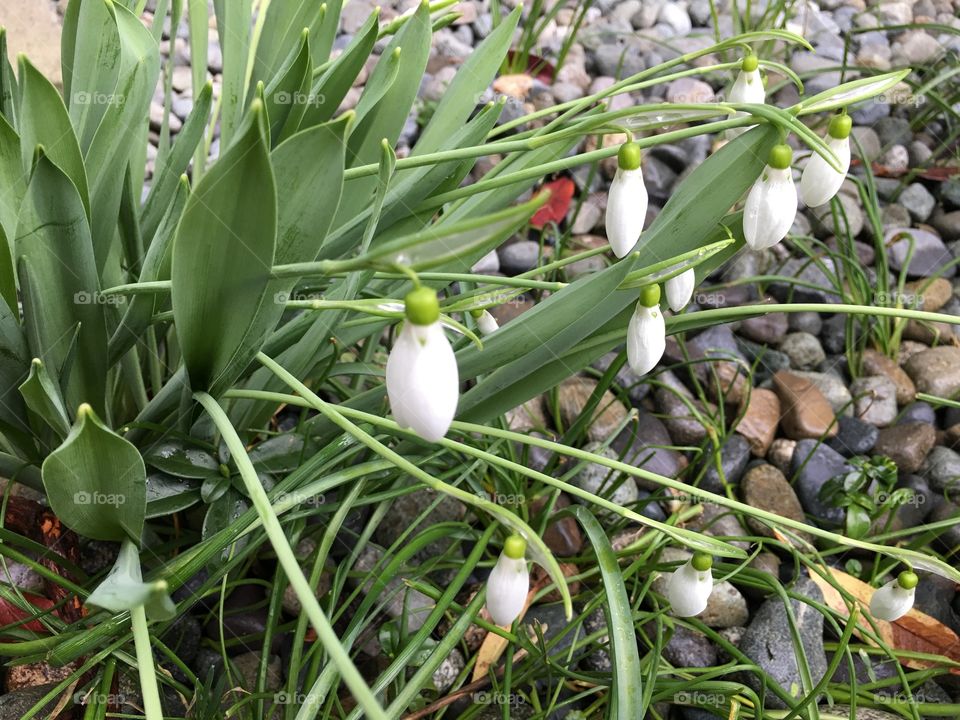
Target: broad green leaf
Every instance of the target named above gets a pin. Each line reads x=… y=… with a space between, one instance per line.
x=118 y=134
x=333 y=85
x=326 y=32
x=165 y=183
x=167 y=494
x=178 y=459
x=44 y=121
x=53 y=247
x=198 y=19
x=14 y=366
x=124 y=589
x=472 y=79
x=96 y=481
x=9 y=94
x=282 y=30
x=627 y=696
x=222 y=257
x=93 y=65
x=44 y=400
x=14 y=186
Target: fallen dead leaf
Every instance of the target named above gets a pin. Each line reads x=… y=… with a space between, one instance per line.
x=915 y=632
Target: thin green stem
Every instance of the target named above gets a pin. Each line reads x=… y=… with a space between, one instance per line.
x=148 y=674
x=288 y=561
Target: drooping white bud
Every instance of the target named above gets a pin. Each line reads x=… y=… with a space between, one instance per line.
x=626 y=202
x=689 y=588
x=747 y=88
x=894 y=600
x=509 y=583
x=423 y=383
x=771 y=205
x=820 y=181
x=487 y=323
x=680 y=289
x=646 y=333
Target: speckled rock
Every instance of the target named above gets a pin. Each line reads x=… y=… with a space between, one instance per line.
x=876 y=363
x=804 y=350
x=765 y=487
x=875 y=399
x=609 y=415
x=936 y=371
x=812 y=466
x=760 y=420
x=805 y=412
x=907 y=445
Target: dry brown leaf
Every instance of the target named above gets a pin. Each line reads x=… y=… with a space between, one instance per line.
x=914 y=632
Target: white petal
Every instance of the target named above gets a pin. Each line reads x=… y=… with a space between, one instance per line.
x=422 y=380
x=820 y=182
x=748 y=88
x=680 y=289
x=507 y=589
x=487 y=323
x=626 y=210
x=646 y=339
x=891 y=601
x=770 y=209
x=688 y=590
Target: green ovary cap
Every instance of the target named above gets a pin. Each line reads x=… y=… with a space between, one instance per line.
x=750 y=63
x=780 y=157
x=840 y=127
x=701 y=561
x=422 y=306
x=515 y=547
x=650 y=296
x=628 y=157
x=907 y=580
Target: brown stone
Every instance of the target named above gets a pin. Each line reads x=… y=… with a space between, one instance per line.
x=876 y=363
x=934 y=296
x=38 y=673
x=766 y=488
x=928 y=333
x=804 y=411
x=562 y=535
x=781 y=453
x=936 y=371
x=609 y=415
x=759 y=422
x=907 y=445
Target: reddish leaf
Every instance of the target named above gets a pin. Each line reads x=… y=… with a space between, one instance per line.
x=555 y=209
x=13 y=616
x=541 y=69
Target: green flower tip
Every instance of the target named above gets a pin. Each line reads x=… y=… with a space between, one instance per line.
x=628 y=157
x=780 y=157
x=650 y=296
x=907 y=580
x=515 y=547
x=422 y=306
x=750 y=63
x=476 y=313
x=840 y=126
x=701 y=561
x=84 y=410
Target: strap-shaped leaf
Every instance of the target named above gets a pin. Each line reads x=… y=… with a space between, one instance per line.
x=9 y=95
x=222 y=257
x=96 y=481
x=14 y=366
x=286 y=96
x=281 y=31
x=53 y=245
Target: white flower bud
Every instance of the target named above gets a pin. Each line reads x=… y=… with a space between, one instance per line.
x=688 y=589
x=646 y=335
x=771 y=205
x=748 y=88
x=509 y=583
x=820 y=182
x=894 y=600
x=487 y=323
x=626 y=210
x=680 y=289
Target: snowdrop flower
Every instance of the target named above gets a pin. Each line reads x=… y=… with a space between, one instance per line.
x=422 y=379
x=748 y=88
x=680 y=289
x=509 y=583
x=820 y=181
x=486 y=323
x=894 y=600
x=772 y=203
x=626 y=202
x=690 y=586
x=646 y=333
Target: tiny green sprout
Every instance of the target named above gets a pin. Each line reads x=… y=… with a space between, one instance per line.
x=422 y=306
x=650 y=295
x=750 y=63
x=780 y=157
x=515 y=547
x=907 y=580
x=628 y=157
x=701 y=561
x=840 y=126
